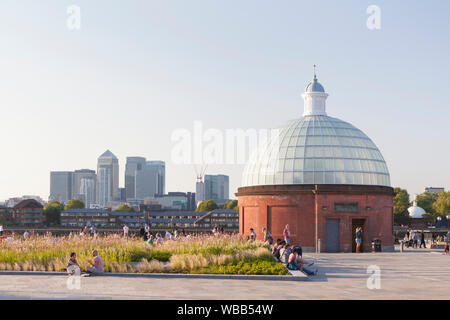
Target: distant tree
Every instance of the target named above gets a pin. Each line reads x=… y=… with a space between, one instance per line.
x=426 y=201
x=74 y=204
x=4 y=222
x=233 y=205
x=125 y=208
x=442 y=203
x=401 y=205
x=52 y=213
x=207 y=205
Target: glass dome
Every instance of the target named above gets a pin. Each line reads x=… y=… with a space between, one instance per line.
x=317 y=149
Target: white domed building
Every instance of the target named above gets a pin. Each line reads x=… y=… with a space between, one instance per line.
x=322 y=176
x=416 y=212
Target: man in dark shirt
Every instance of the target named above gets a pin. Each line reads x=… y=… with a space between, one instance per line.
x=422 y=240
x=142 y=233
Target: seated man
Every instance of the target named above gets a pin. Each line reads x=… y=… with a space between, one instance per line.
x=96 y=265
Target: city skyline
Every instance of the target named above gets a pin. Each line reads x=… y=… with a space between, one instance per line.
x=68 y=95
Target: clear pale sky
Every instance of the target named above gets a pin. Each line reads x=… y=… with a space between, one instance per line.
x=138 y=70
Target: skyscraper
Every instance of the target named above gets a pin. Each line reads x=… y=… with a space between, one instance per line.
x=133 y=164
x=146 y=183
x=107 y=177
x=216 y=187
x=104 y=185
x=81 y=180
x=199 y=191
x=160 y=168
x=84 y=186
x=61 y=186
x=150 y=181
x=87 y=191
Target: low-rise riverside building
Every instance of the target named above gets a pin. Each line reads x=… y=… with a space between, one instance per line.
x=172 y=219
x=100 y=218
x=28 y=213
x=227 y=219
x=159 y=219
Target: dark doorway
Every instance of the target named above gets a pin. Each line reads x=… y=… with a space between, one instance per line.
x=355 y=224
x=332 y=235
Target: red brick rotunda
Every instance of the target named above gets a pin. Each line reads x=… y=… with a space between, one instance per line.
x=321 y=176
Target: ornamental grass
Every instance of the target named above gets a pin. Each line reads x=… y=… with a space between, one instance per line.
x=201 y=254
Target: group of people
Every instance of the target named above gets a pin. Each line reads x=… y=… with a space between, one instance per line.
x=282 y=250
x=95 y=265
x=158 y=239
x=411 y=239
x=292 y=257
x=10 y=238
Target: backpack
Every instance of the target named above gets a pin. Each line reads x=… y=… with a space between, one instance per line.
x=287 y=253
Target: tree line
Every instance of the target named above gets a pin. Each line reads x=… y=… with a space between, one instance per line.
x=434 y=204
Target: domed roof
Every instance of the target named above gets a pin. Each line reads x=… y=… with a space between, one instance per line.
x=314 y=86
x=416 y=212
x=317 y=149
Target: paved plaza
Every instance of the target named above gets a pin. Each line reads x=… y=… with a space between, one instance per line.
x=413 y=274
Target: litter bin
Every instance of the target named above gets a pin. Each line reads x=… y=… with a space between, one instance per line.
x=376 y=245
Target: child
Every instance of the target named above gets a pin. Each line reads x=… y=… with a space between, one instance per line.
x=72 y=265
x=150 y=239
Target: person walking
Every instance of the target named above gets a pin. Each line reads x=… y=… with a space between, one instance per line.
x=414 y=239
x=422 y=240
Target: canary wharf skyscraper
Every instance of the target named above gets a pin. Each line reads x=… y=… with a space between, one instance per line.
x=133 y=165
x=107 y=177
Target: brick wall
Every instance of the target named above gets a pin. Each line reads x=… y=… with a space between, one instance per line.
x=296 y=205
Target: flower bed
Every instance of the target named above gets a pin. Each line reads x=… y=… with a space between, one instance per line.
x=206 y=254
